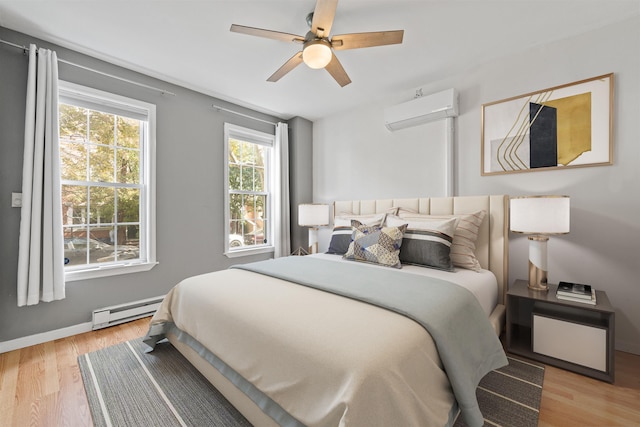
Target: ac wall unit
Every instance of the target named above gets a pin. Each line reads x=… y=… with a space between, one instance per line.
x=422 y=110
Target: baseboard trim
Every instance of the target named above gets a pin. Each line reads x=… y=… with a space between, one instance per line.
x=628 y=347
x=40 y=338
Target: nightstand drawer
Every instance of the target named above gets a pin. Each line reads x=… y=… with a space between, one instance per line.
x=576 y=343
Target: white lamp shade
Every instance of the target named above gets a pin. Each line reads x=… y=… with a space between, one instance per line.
x=540 y=214
x=313 y=215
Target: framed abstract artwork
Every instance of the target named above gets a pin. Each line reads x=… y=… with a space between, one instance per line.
x=560 y=127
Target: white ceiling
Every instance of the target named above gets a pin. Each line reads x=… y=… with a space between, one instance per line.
x=188 y=42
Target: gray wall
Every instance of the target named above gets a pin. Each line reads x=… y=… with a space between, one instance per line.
x=190 y=211
x=356 y=157
x=300 y=152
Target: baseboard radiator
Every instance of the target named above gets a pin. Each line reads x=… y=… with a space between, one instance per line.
x=116 y=314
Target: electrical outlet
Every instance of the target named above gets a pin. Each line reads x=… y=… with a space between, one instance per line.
x=16 y=200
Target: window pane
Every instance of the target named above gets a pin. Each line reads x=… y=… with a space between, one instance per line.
x=260 y=153
x=253 y=209
x=101 y=164
x=128 y=205
x=234 y=177
x=234 y=151
x=245 y=153
x=125 y=246
x=236 y=238
x=73 y=161
x=258 y=179
x=247 y=178
x=98 y=244
x=75 y=245
x=263 y=238
x=260 y=209
x=101 y=128
x=73 y=122
x=128 y=166
x=128 y=132
x=131 y=238
x=101 y=205
x=74 y=204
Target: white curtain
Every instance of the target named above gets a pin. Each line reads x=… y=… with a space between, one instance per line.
x=41 y=247
x=282 y=234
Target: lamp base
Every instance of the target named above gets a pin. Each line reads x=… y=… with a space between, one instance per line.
x=313 y=240
x=299 y=252
x=538 y=263
x=537 y=279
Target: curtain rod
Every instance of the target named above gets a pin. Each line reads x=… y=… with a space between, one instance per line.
x=217 y=107
x=73 y=64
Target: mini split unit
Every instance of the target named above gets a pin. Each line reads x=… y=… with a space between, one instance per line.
x=422 y=110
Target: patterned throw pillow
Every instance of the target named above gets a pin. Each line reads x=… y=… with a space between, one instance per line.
x=426 y=242
x=376 y=244
x=466 y=234
x=342 y=230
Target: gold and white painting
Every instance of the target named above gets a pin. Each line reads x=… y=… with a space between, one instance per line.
x=563 y=126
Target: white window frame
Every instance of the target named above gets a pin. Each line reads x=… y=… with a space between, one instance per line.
x=112 y=103
x=260 y=138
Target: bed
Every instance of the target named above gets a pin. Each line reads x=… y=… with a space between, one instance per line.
x=316 y=355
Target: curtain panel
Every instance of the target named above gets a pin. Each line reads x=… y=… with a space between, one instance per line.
x=41 y=245
x=282 y=229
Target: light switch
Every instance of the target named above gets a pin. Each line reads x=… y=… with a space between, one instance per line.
x=16 y=200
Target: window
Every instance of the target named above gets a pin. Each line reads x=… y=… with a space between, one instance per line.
x=107 y=152
x=249 y=155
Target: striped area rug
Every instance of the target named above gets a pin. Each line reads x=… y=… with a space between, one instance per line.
x=510 y=396
x=126 y=387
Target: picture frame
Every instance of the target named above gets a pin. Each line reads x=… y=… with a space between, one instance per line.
x=560 y=127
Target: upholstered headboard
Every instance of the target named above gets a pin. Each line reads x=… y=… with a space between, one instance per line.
x=492 y=246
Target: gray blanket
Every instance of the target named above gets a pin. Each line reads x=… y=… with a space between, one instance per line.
x=466 y=341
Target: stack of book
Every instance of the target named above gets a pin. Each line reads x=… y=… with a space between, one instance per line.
x=576 y=292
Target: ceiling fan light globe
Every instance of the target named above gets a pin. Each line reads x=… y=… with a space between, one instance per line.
x=317 y=54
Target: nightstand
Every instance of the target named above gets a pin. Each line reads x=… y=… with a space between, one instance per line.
x=574 y=336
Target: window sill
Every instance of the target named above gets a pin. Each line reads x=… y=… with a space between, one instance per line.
x=246 y=252
x=107 y=270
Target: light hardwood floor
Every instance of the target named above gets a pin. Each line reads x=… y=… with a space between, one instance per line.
x=41 y=386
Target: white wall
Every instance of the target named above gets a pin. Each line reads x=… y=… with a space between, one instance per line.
x=356 y=157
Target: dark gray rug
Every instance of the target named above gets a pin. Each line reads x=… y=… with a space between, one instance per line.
x=510 y=396
x=126 y=387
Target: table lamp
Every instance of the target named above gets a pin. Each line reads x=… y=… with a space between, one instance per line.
x=313 y=216
x=539 y=217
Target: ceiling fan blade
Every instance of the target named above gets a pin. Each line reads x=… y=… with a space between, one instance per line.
x=359 y=40
x=269 y=34
x=337 y=72
x=323 y=16
x=292 y=63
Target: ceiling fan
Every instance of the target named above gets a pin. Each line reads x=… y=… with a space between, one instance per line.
x=317 y=46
